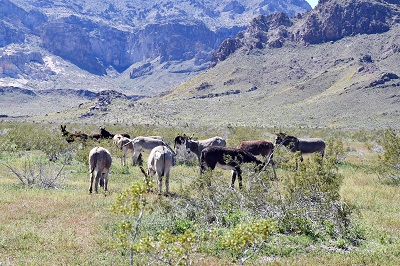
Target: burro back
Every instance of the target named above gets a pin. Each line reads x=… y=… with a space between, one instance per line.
x=100 y=162
x=160 y=162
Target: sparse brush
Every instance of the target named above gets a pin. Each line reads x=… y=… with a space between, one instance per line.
x=389 y=167
x=312 y=199
x=37 y=173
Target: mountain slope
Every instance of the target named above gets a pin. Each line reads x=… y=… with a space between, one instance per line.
x=344 y=82
x=349 y=84
x=351 y=81
x=121 y=44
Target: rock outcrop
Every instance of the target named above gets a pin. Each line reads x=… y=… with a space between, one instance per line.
x=96 y=35
x=331 y=20
x=23 y=64
x=16 y=23
x=271 y=30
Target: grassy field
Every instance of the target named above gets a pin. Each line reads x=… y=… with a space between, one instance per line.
x=66 y=225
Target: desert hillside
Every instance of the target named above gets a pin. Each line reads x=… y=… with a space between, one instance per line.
x=135 y=47
x=274 y=74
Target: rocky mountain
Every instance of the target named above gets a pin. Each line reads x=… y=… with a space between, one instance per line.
x=336 y=66
x=119 y=44
x=328 y=22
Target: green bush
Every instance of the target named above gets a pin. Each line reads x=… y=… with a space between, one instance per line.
x=389 y=161
x=334 y=150
x=245 y=240
x=27 y=137
x=312 y=204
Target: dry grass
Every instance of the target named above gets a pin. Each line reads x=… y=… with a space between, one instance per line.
x=68 y=226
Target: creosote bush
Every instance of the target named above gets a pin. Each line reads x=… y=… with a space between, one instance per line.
x=131 y=204
x=240 y=222
x=246 y=239
x=27 y=137
x=39 y=173
x=312 y=204
x=389 y=161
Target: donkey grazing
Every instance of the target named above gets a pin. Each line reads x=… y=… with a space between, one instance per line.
x=228 y=159
x=125 y=145
x=107 y=135
x=70 y=137
x=141 y=144
x=118 y=137
x=160 y=162
x=196 y=146
x=99 y=161
x=303 y=146
x=261 y=147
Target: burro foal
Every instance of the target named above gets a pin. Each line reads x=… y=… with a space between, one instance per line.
x=99 y=162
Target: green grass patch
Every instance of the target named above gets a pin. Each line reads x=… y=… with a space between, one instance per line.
x=292 y=220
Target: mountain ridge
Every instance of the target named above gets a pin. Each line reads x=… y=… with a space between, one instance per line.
x=105 y=39
x=329 y=21
x=351 y=82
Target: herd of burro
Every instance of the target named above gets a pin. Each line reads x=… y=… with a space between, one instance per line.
x=210 y=152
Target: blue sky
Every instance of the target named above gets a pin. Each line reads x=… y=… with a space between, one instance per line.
x=312 y=3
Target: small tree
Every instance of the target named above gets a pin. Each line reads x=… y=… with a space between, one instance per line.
x=169 y=248
x=334 y=150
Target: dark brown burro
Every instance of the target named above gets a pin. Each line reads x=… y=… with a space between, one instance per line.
x=71 y=137
x=105 y=134
x=228 y=159
x=262 y=148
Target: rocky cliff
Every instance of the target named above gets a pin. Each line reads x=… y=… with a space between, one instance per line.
x=331 y=20
x=112 y=35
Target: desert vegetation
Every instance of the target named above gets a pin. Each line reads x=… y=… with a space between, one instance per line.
x=338 y=210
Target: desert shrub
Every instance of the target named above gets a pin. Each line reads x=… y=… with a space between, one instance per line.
x=131 y=204
x=27 y=137
x=312 y=204
x=38 y=172
x=285 y=159
x=363 y=135
x=169 y=248
x=173 y=231
x=238 y=134
x=334 y=150
x=389 y=161
x=246 y=239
